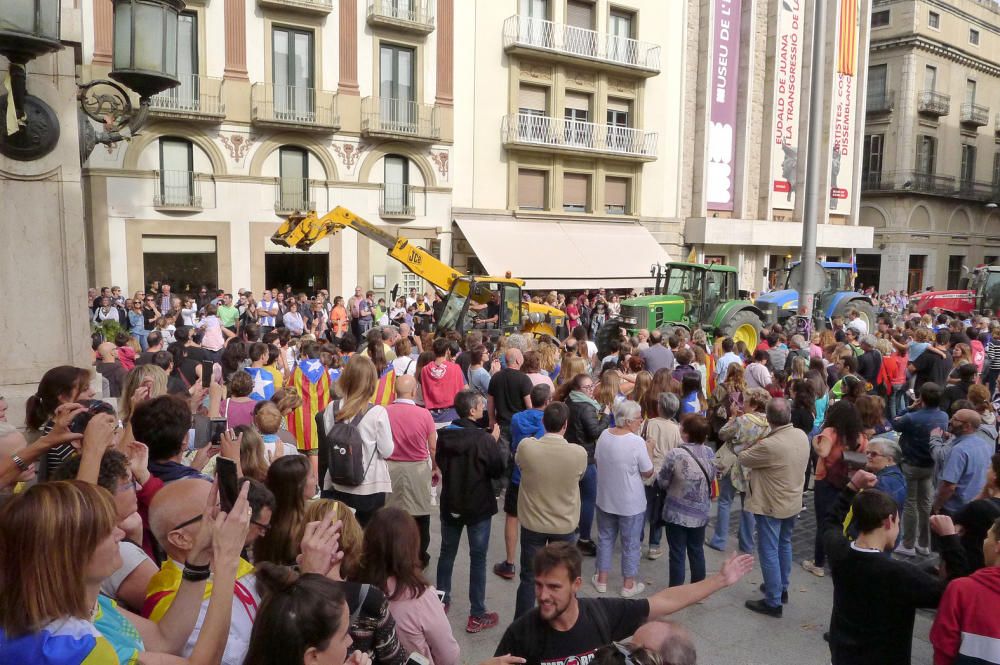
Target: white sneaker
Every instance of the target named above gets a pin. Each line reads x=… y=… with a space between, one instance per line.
x=634 y=590
x=654 y=553
x=923 y=551
x=905 y=551
x=809 y=565
x=602 y=587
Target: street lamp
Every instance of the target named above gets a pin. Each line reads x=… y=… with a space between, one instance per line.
x=144 y=60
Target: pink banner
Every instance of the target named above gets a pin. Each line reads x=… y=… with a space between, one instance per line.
x=724 y=77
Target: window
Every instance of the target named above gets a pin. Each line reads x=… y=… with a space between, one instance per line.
x=531 y=28
x=537 y=9
x=532 y=123
x=871 y=160
x=185 y=96
x=293 y=187
x=176 y=177
x=580 y=14
x=621 y=29
x=579 y=131
x=294 y=96
x=580 y=38
x=576 y=192
x=954 y=270
x=880 y=19
x=973 y=37
x=970 y=91
x=968 y=165
x=877 y=80
x=926 y=155
x=396 y=198
x=616 y=196
x=930 y=78
x=397 y=88
x=619 y=119
x=533 y=100
x=996 y=170
x=934 y=20
x=532 y=187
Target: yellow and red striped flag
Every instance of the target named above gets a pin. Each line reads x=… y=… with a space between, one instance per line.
x=847 y=61
x=312 y=383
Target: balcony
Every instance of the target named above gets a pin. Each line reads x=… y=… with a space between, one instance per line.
x=545 y=134
x=397 y=201
x=916 y=182
x=933 y=103
x=321 y=7
x=294 y=195
x=177 y=190
x=407 y=15
x=197 y=98
x=288 y=106
x=975 y=115
x=566 y=43
x=399 y=119
x=976 y=190
x=880 y=102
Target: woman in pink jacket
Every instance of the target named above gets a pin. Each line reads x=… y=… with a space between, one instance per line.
x=392 y=563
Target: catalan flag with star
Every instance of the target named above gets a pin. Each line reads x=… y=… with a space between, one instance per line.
x=311 y=381
x=847 y=60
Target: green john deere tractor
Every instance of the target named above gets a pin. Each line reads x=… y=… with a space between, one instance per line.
x=690 y=295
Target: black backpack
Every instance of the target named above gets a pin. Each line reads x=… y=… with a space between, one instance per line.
x=342 y=448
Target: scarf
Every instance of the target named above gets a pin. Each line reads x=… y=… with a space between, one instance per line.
x=578 y=396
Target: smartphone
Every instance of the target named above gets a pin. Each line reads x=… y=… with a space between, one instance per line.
x=216 y=426
x=229 y=489
x=206 y=373
x=417 y=659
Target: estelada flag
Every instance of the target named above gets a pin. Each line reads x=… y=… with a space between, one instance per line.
x=312 y=383
x=847 y=61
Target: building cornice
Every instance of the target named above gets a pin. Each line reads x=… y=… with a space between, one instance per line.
x=920 y=43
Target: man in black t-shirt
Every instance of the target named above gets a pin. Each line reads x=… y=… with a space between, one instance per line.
x=935 y=363
x=565 y=630
x=508 y=392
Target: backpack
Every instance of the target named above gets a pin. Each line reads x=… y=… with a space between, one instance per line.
x=343 y=448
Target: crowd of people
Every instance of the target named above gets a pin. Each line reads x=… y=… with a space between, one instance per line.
x=352 y=428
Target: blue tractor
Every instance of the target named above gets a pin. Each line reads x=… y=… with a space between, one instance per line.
x=834 y=297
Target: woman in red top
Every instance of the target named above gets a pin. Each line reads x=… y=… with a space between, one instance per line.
x=894 y=362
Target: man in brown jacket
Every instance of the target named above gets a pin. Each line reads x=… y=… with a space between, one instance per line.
x=548 y=503
x=777 y=464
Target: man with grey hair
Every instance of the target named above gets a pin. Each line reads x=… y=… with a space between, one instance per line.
x=778 y=463
x=662 y=435
x=671 y=641
x=797 y=349
x=883 y=460
x=870 y=362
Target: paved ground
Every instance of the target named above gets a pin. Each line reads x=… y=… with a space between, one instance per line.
x=726 y=633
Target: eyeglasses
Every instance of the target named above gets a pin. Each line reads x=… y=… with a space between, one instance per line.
x=263 y=527
x=189 y=522
x=130 y=485
x=872 y=454
x=587 y=386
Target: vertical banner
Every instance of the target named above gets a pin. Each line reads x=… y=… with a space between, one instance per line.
x=787 y=103
x=842 y=111
x=725 y=72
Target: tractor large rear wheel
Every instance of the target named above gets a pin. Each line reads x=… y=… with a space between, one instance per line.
x=865 y=312
x=609 y=331
x=743 y=326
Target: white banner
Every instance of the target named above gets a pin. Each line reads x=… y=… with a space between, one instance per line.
x=787 y=104
x=843 y=107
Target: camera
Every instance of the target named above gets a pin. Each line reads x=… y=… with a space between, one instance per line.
x=93 y=406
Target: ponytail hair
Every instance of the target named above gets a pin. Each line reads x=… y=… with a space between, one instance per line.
x=57 y=384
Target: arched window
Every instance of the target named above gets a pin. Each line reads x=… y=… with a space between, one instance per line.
x=397 y=198
x=177 y=186
x=293 y=188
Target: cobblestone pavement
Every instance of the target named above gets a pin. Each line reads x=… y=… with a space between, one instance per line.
x=725 y=632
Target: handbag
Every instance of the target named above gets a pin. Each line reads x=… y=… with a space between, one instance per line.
x=713 y=483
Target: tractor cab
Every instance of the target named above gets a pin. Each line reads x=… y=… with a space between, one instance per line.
x=487 y=303
x=702 y=287
x=986 y=283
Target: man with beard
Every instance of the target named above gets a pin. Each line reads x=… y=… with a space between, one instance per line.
x=565 y=629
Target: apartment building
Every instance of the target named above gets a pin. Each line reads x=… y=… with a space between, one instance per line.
x=747 y=104
x=567 y=139
x=931 y=166
x=284 y=105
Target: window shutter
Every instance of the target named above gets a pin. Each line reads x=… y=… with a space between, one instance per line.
x=616 y=194
x=575 y=189
x=533 y=98
x=580 y=15
x=531 y=189
x=622 y=105
x=578 y=101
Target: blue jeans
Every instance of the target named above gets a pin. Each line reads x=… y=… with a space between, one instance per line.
x=897 y=401
x=689 y=540
x=479 y=543
x=774 y=543
x=141 y=338
x=588 y=500
x=609 y=526
x=654 y=514
x=531 y=542
x=721 y=538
